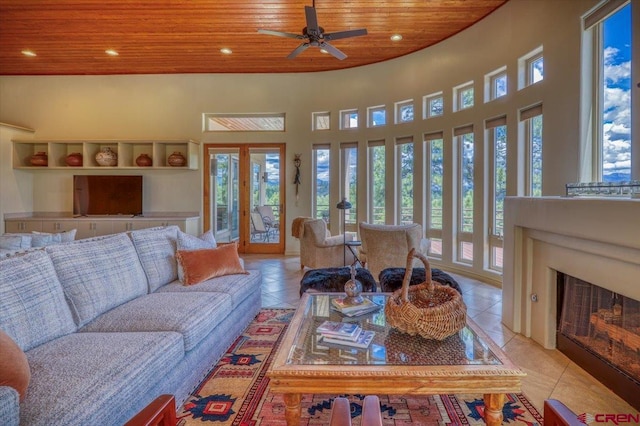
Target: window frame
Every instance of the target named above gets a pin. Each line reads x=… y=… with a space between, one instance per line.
x=458 y=96
x=372 y=147
x=426 y=105
x=463 y=237
x=527 y=129
x=398 y=107
x=490 y=84
x=346 y=185
x=495 y=239
x=314 y=180
x=399 y=142
x=525 y=67
x=434 y=234
x=372 y=110
x=317 y=117
x=347 y=116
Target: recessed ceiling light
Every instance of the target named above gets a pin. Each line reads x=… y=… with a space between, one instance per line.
x=29 y=53
x=111 y=52
x=396 y=37
x=226 y=51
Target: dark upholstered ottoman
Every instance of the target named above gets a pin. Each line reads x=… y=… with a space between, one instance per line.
x=334 y=279
x=391 y=278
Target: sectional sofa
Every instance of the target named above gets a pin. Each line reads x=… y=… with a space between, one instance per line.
x=107 y=327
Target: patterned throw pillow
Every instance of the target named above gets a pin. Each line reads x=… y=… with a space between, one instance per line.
x=191 y=242
x=201 y=265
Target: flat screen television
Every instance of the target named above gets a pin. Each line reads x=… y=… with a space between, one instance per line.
x=107 y=195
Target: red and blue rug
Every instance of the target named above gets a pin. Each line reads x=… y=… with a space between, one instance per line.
x=236 y=392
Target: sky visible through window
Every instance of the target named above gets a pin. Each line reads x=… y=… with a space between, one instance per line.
x=616 y=110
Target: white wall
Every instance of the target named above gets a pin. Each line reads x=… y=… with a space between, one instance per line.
x=171 y=106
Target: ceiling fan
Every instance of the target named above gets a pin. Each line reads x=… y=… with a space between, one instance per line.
x=314 y=35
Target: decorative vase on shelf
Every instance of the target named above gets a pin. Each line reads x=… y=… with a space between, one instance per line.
x=177 y=160
x=107 y=157
x=144 y=160
x=74 y=159
x=39 y=159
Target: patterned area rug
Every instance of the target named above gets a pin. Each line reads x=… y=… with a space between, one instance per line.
x=236 y=392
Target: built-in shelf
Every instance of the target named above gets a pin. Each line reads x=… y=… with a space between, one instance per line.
x=127 y=151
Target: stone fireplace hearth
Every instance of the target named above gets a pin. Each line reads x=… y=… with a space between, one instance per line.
x=593 y=239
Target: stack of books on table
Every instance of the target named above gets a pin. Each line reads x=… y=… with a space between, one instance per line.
x=345 y=333
x=352 y=310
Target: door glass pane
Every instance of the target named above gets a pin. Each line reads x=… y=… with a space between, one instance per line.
x=405 y=165
x=436 y=170
x=224 y=200
x=265 y=195
x=377 y=174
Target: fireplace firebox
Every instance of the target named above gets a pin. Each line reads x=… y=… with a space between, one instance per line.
x=600 y=331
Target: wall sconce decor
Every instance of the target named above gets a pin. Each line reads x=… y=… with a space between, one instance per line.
x=296 y=180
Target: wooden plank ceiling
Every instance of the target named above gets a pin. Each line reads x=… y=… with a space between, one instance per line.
x=70 y=37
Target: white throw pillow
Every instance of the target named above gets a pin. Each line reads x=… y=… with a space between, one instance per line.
x=59 y=237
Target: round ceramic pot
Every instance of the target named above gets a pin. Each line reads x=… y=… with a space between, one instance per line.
x=144 y=160
x=74 y=159
x=177 y=160
x=107 y=157
x=39 y=159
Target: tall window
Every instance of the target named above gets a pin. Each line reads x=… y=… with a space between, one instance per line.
x=434 y=147
x=465 y=145
x=609 y=28
x=531 y=120
x=377 y=176
x=349 y=174
x=497 y=137
x=320 y=184
x=404 y=170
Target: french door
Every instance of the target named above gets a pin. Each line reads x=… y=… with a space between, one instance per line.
x=244 y=195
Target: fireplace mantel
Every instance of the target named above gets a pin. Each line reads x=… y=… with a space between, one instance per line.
x=594 y=239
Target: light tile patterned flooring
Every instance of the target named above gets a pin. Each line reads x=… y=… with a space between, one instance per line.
x=550 y=374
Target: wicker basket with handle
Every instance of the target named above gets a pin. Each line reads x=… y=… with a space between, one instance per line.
x=430 y=309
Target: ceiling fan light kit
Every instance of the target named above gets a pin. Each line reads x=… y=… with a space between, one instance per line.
x=314 y=35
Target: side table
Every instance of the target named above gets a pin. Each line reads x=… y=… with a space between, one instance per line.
x=353 y=245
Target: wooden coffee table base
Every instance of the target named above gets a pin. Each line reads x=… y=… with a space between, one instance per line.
x=493 y=404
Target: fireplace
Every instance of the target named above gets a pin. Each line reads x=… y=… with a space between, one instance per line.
x=600 y=331
x=594 y=240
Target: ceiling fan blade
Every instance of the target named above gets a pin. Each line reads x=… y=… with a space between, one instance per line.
x=312 y=20
x=332 y=50
x=281 y=34
x=298 y=50
x=345 y=34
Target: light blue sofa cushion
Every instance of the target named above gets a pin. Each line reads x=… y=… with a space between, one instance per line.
x=192 y=315
x=90 y=378
x=156 y=248
x=32 y=305
x=9 y=408
x=98 y=274
x=236 y=286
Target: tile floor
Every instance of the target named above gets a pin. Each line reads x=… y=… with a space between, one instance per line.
x=550 y=374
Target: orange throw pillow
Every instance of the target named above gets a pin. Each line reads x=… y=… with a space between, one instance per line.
x=14 y=367
x=201 y=265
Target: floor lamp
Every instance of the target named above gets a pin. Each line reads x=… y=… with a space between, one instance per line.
x=344 y=205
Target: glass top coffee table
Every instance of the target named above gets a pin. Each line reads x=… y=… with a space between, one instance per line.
x=393 y=363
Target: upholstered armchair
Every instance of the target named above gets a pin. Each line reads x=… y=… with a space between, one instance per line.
x=386 y=246
x=318 y=249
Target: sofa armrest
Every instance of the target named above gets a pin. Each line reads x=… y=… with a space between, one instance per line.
x=161 y=412
x=9 y=406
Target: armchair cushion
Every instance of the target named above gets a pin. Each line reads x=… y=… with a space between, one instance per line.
x=385 y=246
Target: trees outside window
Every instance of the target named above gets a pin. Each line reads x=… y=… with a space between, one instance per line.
x=377 y=176
x=321 y=174
x=404 y=170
